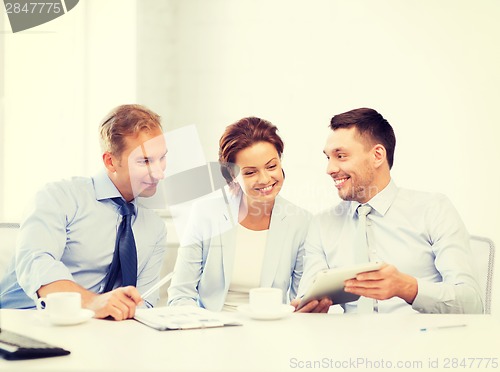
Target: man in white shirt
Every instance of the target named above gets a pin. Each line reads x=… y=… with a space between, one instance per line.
x=419 y=236
x=67 y=240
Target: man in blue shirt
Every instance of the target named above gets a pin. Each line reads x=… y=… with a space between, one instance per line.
x=67 y=239
x=419 y=236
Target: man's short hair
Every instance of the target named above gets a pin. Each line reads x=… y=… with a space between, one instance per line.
x=123 y=121
x=371 y=126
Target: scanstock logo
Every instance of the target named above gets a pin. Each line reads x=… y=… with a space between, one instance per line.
x=25 y=14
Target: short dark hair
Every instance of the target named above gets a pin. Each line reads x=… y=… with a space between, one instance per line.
x=370 y=125
x=240 y=135
x=125 y=120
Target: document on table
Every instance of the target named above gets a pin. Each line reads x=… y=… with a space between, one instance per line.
x=182 y=317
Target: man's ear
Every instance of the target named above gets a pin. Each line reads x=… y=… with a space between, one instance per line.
x=109 y=161
x=379 y=155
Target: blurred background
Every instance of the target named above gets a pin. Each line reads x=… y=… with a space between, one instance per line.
x=431 y=67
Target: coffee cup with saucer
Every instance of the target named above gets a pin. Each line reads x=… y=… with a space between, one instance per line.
x=63 y=308
x=266 y=304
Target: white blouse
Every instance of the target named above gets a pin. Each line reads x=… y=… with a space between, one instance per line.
x=248 y=257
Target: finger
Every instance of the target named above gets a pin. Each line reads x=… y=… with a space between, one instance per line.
x=120 y=306
x=127 y=305
x=112 y=311
x=309 y=307
x=114 y=304
x=350 y=284
x=295 y=303
x=366 y=292
x=323 y=306
x=133 y=293
x=355 y=290
x=102 y=313
x=354 y=283
x=370 y=275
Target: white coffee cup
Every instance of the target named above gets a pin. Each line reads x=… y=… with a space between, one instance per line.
x=265 y=300
x=61 y=304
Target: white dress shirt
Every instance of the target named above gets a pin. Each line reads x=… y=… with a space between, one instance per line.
x=420 y=233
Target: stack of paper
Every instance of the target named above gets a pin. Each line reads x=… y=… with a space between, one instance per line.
x=182 y=317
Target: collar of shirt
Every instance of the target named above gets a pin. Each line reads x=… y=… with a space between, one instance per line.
x=381 y=202
x=105 y=189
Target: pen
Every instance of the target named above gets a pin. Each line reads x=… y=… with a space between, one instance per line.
x=158 y=285
x=442 y=327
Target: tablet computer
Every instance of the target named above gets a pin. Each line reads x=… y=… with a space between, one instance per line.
x=330 y=283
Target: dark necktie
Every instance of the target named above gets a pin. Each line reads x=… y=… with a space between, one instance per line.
x=125 y=255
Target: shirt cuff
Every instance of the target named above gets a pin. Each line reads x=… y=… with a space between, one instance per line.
x=424 y=300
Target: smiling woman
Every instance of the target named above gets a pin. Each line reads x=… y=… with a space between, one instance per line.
x=251 y=151
x=260 y=177
x=252 y=239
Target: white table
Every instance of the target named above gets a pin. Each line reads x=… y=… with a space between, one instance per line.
x=298 y=342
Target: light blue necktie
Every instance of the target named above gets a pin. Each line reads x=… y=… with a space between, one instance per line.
x=365 y=305
x=125 y=255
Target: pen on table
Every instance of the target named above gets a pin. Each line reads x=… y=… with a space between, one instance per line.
x=442 y=327
x=158 y=285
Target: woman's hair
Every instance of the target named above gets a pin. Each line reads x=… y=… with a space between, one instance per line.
x=242 y=134
x=123 y=121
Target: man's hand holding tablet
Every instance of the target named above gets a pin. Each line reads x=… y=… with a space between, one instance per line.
x=328 y=288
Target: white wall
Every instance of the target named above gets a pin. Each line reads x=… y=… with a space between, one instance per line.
x=429 y=66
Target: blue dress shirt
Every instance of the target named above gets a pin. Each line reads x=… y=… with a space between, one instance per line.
x=420 y=233
x=69 y=234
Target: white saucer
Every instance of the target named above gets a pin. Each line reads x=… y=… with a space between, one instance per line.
x=282 y=312
x=85 y=314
